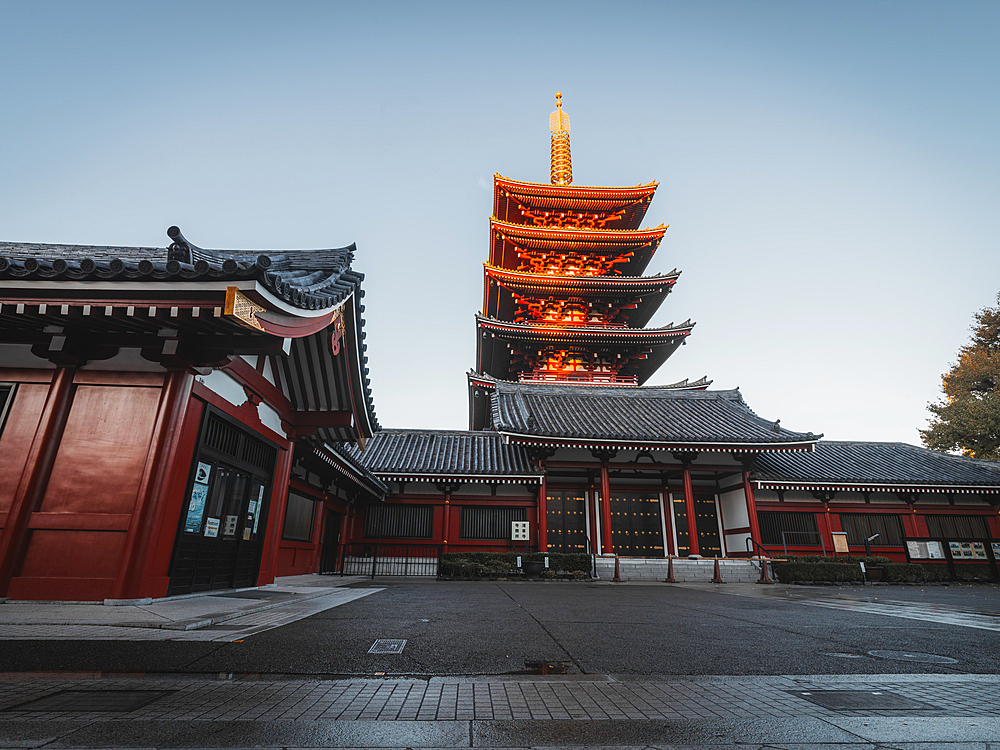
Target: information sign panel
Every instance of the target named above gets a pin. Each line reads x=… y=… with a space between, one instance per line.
x=840 y=541
x=519 y=531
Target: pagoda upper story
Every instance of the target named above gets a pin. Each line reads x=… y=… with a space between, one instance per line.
x=563 y=295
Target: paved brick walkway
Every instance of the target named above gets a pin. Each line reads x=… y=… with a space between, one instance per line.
x=464 y=699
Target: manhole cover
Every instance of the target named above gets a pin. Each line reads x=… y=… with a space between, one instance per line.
x=93 y=700
x=859 y=700
x=913 y=656
x=388 y=646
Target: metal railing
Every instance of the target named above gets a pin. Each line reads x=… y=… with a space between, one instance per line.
x=384 y=559
x=785 y=535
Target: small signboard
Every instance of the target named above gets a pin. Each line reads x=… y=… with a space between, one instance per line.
x=212 y=527
x=519 y=531
x=840 y=541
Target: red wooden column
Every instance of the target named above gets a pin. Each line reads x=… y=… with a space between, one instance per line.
x=276 y=514
x=36 y=472
x=543 y=519
x=751 y=510
x=147 y=515
x=606 y=510
x=447 y=518
x=689 y=508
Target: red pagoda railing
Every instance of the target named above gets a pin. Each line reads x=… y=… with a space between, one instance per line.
x=596 y=378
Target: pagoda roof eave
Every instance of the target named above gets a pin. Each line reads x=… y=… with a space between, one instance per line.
x=629 y=284
x=574 y=190
x=597 y=334
x=622 y=237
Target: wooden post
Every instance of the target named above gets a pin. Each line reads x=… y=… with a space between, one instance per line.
x=35 y=474
x=543 y=520
x=751 y=511
x=693 y=548
x=606 y=510
x=447 y=519
x=668 y=521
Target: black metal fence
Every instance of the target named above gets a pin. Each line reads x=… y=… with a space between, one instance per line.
x=387 y=559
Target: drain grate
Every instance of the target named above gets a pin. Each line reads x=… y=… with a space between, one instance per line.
x=93 y=700
x=913 y=656
x=860 y=700
x=388 y=646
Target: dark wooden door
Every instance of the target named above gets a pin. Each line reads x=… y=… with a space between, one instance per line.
x=331 y=543
x=706 y=522
x=636 y=525
x=566 y=521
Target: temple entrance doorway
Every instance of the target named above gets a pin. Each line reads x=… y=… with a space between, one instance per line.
x=566 y=521
x=331 y=542
x=636 y=524
x=221 y=531
x=706 y=521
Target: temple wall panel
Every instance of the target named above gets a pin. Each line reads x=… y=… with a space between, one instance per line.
x=127 y=360
x=15 y=441
x=103 y=450
x=224 y=385
x=735 y=521
x=19 y=356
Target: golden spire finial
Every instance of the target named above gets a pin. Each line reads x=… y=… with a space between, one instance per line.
x=562 y=163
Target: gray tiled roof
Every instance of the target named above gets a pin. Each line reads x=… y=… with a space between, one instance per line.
x=444 y=453
x=307 y=279
x=646 y=415
x=848 y=462
x=351 y=458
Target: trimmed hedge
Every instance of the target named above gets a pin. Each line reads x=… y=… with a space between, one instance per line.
x=501 y=564
x=846 y=569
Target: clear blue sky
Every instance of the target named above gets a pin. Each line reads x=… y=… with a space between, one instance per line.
x=829 y=170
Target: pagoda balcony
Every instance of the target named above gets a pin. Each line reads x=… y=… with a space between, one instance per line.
x=582 y=378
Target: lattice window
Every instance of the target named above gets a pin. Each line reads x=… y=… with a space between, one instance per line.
x=800 y=528
x=488 y=523
x=399 y=521
x=860 y=526
x=958 y=527
x=7 y=391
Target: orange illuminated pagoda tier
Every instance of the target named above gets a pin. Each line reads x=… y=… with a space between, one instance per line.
x=564 y=299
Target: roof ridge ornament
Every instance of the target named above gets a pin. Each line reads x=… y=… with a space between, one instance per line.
x=561 y=161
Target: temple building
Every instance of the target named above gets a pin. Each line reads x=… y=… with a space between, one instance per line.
x=179 y=419
x=173 y=420
x=609 y=465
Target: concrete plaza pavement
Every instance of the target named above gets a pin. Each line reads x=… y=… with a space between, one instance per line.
x=745 y=666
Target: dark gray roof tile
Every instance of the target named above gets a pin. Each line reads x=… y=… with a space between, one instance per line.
x=848 y=462
x=646 y=414
x=444 y=453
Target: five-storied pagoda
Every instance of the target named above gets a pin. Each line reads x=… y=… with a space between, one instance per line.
x=564 y=300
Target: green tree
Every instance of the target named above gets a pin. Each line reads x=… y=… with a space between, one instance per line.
x=968 y=418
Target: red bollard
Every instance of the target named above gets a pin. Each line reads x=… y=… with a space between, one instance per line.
x=670 y=571
x=618 y=576
x=717 y=578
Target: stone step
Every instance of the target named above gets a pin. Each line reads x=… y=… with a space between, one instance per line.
x=685 y=570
